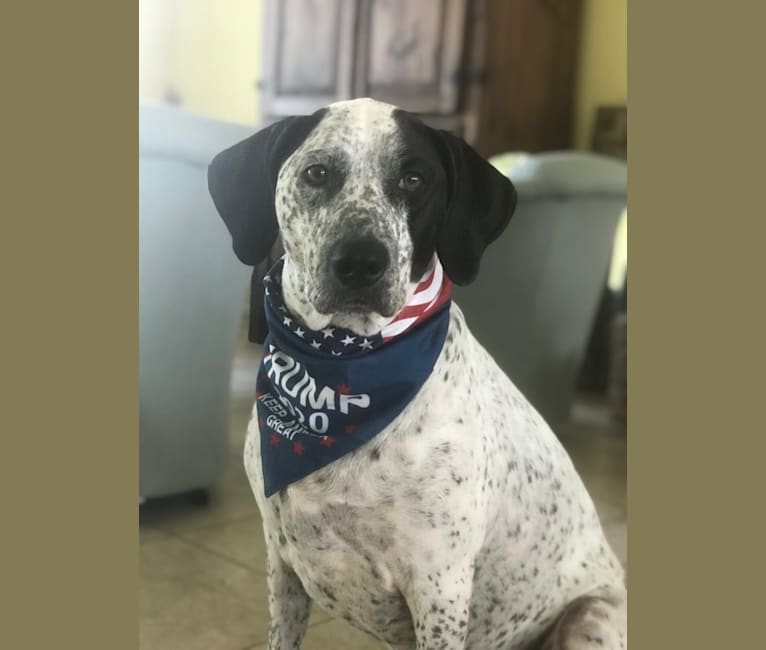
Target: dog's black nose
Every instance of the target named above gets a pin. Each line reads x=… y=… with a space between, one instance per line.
x=358 y=263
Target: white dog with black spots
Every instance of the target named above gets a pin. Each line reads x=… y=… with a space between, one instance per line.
x=463 y=524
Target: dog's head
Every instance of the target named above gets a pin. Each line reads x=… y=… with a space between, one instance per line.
x=363 y=195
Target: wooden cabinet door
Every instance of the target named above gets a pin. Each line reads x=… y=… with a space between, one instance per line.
x=308 y=54
x=410 y=53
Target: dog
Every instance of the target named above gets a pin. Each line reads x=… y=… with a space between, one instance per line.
x=462 y=522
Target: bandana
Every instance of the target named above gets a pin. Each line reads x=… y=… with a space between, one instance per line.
x=322 y=394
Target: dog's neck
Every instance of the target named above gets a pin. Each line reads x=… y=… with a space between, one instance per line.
x=322 y=394
x=297 y=286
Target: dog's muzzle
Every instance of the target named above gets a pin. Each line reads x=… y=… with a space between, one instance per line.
x=359 y=264
x=358 y=271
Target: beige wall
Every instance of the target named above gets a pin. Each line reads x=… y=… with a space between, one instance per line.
x=603 y=63
x=602 y=80
x=206 y=52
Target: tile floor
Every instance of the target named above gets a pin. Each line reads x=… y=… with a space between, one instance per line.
x=202 y=584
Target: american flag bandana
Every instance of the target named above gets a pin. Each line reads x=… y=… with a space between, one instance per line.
x=322 y=394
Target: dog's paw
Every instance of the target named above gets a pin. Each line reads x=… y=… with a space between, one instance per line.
x=587 y=624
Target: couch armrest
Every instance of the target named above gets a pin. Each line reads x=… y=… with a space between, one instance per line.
x=167 y=132
x=568 y=173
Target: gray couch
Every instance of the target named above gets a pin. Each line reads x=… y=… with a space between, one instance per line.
x=537 y=294
x=192 y=293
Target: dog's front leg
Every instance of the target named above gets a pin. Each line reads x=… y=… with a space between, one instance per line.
x=289 y=605
x=438 y=600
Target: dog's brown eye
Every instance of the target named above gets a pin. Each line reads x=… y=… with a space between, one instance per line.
x=315 y=175
x=410 y=181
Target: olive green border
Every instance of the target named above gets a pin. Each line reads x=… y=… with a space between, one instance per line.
x=695 y=171
x=70 y=314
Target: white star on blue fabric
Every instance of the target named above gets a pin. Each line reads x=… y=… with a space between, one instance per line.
x=336 y=354
x=287 y=320
x=316 y=345
x=328 y=332
x=348 y=340
x=299 y=332
x=365 y=345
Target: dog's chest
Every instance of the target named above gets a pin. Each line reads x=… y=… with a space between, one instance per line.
x=345 y=539
x=344 y=556
x=350 y=529
x=466 y=462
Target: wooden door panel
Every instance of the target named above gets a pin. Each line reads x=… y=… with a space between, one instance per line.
x=308 y=54
x=410 y=53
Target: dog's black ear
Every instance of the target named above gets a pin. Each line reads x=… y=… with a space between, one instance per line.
x=481 y=202
x=242 y=180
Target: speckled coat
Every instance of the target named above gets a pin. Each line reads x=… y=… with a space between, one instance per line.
x=464 y=519
x=464 y=523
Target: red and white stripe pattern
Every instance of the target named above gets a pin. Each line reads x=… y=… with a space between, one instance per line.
x=431 y=293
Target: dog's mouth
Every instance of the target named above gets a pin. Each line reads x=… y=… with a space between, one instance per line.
x=371 y=304
x=364 y=305
x=318 y=301
x=365 y=312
